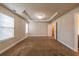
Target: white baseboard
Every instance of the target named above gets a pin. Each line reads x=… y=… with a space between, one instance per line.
x=13 y=45
x=66 y=45
x=38 y=35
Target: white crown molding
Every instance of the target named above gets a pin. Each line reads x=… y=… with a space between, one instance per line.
x=56 y=13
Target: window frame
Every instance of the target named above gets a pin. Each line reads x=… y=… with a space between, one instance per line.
x=8 y=28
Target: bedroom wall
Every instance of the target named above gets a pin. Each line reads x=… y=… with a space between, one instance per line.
x=66 y=29
x=19 y=29
x=38 y=29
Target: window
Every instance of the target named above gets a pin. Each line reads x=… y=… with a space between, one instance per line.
x=6 y=27
x=27 y=28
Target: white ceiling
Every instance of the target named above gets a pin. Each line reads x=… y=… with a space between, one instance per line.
x=49 y=10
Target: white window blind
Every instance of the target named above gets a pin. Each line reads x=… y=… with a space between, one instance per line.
x=27 y=28
x=6 y=27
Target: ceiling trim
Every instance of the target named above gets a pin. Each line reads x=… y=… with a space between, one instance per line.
x=13 y=12
x=56 y=13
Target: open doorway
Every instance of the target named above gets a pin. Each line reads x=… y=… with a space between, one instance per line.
x=54 y=30
x=78 y=30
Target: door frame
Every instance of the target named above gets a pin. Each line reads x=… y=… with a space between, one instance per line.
x=56 y=30
x=76 y=32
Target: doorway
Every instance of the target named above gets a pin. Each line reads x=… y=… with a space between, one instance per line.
x=78 y=30
x=54 y=30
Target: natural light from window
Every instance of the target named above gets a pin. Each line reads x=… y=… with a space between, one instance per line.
x=6 y=27
x=27 y=28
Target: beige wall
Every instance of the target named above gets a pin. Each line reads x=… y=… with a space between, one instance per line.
x=19 y=29
x=66 y=29
x=38 y=29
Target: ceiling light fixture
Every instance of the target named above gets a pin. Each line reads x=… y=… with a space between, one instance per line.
x=55 y=14
x=40 y=16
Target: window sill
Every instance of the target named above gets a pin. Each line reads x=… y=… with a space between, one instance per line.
x=6 y=39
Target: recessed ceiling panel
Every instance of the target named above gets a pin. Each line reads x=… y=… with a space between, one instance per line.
x=41 y=11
